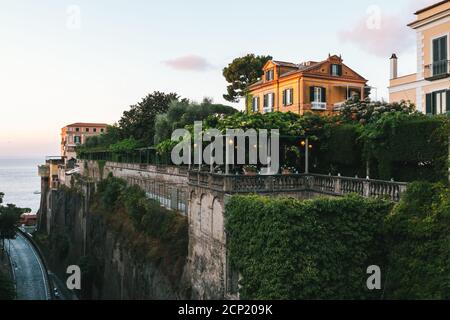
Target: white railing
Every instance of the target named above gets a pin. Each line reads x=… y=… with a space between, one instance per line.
x=318 y=105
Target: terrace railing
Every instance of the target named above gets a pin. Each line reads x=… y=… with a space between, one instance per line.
x=322 y=184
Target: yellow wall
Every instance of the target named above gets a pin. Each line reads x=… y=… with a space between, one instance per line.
x=407 y=95
x=428 y=35
x=301 y=83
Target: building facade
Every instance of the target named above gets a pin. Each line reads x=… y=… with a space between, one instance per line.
x=76 y=134
x=309 y=86
x=429 y=88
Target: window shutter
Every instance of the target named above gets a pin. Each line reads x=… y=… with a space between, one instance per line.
x=311 y=94
x=340 y=70
x=324 y=95
x=444 y=48
x=436 y=50
x=284 y=98
x=292 y=96
x=429 y=103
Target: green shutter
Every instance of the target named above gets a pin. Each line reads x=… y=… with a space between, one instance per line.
x=324 y=95
x=284 y=98
x=340 y=70
x=429 y=103
x=311 y=94
x=292 y=96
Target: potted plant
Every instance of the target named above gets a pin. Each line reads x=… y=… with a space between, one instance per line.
x=250 y=170
x=286 y=170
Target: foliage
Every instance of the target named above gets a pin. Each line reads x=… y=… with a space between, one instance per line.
x=241 y=73
x=316 y=249
x=7 y=290
x=367 y=111
x=9 y=220
x=408 y=147
x=126 y=145
x=139 y=121
x=166 y=146
x=287 y=123
x=419 y=240
x=183 y=113
x=150 y=231
x=340 y=150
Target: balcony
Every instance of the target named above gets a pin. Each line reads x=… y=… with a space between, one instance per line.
x=437 y=70
x=318 y=105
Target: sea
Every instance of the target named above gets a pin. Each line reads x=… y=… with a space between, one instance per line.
x=20 y=183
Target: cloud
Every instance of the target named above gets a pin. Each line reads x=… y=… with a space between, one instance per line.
x=188 y=63
x=382 y=34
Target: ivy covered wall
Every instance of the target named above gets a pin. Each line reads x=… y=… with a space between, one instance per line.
x=321 y=248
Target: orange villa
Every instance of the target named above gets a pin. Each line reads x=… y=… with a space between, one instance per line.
x=76 y=134
x=429 y=88
x=309 y=86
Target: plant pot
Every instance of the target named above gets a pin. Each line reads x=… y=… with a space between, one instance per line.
x=249 y=173
x=287 y=172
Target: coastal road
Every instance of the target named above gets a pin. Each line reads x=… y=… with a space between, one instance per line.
x=29 y=271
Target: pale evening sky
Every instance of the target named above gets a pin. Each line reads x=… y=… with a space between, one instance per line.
x=88 y=60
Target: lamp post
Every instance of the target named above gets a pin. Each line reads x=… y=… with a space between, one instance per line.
x=307 y=147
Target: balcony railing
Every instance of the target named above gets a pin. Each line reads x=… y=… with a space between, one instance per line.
x=437 y=70
x=318 y=105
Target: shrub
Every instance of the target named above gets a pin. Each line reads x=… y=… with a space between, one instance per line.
x=418 y=234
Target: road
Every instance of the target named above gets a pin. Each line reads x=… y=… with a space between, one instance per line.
x=29 y=271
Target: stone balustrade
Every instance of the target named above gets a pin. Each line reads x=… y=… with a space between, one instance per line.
x=321 y=184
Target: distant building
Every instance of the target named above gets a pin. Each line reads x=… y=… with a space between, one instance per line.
x=28 y=219
x=309 y=86
x=76 y=134
x=429 y=87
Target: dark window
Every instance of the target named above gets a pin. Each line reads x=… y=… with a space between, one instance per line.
x=288 y=97
x=77 y=129
x=77 y=139
x=87 y=129
x=102 y=130
x=440 y=56
x=269 y=102
x=336 y=70
x=255 y=104
x=269 y=75
x=95 y=129
x=438 y=102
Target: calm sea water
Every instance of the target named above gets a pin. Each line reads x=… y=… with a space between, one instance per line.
x=19 y=180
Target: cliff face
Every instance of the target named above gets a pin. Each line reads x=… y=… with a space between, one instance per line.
x=112 y=266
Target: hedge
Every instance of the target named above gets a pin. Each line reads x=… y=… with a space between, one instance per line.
x=418 y=235
x=316 y=249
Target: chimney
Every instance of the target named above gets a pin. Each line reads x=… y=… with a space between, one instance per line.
x=394 y=66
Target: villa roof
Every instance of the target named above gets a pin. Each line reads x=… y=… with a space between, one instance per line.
x=431 y=7
x=85 y=124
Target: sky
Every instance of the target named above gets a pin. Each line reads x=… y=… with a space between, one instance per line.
x=89 y=60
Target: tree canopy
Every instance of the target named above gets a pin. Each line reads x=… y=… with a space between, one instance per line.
x=241 y=73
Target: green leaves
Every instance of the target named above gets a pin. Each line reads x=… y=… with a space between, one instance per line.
x=318 y=249
x=241 y=73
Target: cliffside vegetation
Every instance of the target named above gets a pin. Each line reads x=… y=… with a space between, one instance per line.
x=149 y=231
x=321 y=249
x=316 y=249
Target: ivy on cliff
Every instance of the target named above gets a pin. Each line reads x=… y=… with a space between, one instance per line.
x=316 y=249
